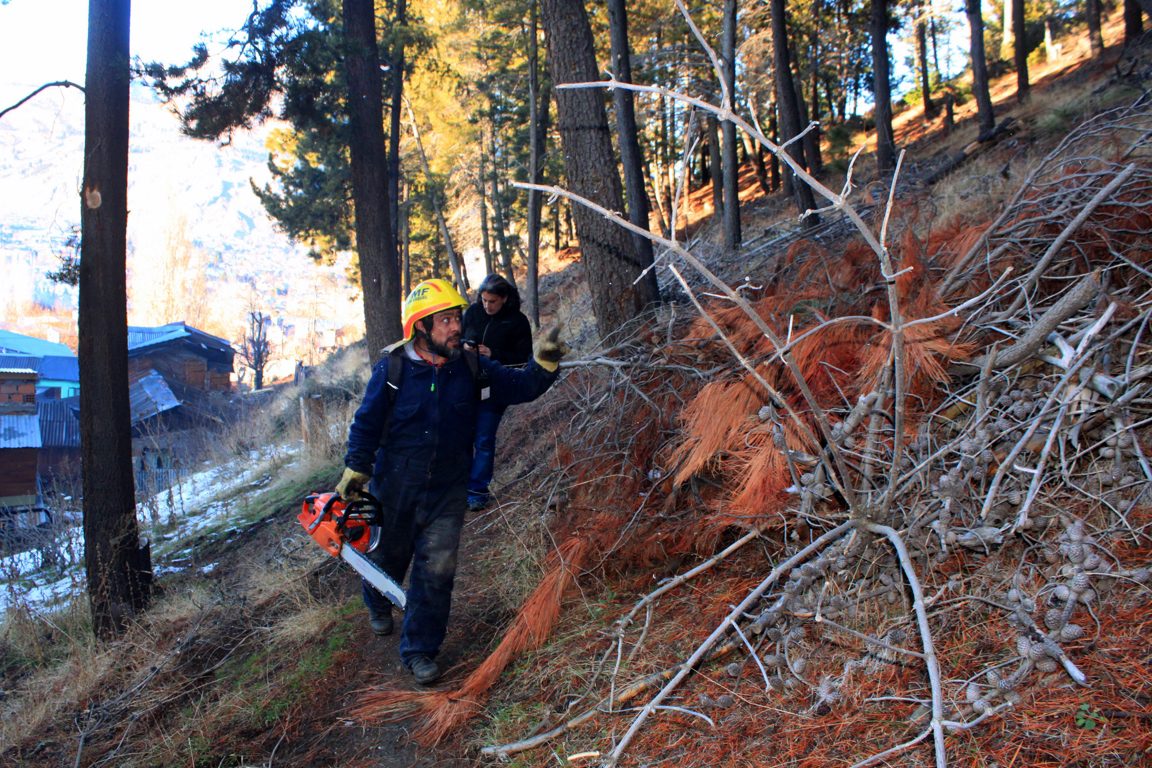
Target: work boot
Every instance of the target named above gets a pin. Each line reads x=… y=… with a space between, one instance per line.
x=381 y=623
x=424 y=669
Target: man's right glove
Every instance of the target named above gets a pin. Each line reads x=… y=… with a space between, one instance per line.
x=550 y=349
x=351 y=483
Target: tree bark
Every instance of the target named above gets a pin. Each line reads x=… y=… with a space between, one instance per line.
x=628 y=138
x=1134 y=18
x=375 y=244
x=788 y=107
x=882 y=90
x=1020 y=51
x=731 y=163
x=712 y=167
x=395 y=107
x=1092 y=14
x=610 y=262
x=538 y=118
x=118 y=566
x=499 y=220
x=930 y=108
x=985 y=115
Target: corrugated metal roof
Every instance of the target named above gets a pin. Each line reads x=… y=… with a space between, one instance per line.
x=140 y=337
x=59 y=425
x=19 y=430
x=59 y=368
x=150 y=396
x=19 y=362
x=18 y=343
x=25 y=373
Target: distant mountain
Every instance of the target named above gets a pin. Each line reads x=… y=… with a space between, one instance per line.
x=196 y=230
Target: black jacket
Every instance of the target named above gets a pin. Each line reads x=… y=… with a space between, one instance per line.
x=507 y=333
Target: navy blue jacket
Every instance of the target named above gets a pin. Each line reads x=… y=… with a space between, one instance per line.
x=433 y=419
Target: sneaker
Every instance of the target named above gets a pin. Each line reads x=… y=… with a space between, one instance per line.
x=424 y=669
x=381 y=623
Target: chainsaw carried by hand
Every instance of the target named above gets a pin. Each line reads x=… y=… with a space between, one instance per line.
x=348 y=529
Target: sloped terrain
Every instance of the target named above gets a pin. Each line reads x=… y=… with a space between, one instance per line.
x=884 y=505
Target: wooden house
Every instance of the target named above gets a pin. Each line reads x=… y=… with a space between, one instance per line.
x=19 y=450
x=184 y=356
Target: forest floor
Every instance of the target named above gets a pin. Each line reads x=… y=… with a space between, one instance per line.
x=263 y=656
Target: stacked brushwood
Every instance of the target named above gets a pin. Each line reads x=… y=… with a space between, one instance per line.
x=952 y=438
x=939 y=439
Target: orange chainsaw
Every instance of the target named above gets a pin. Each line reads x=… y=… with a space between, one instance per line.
x=348 y=529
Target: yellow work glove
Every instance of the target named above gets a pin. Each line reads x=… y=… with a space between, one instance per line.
x=550 y=349
x=351 y=483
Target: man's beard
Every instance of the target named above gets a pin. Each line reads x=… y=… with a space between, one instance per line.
x=443 y=350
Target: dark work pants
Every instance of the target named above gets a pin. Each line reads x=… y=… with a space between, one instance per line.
x=422 y=529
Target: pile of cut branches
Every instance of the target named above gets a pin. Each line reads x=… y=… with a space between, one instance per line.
x=948 y=453
x=940 y=442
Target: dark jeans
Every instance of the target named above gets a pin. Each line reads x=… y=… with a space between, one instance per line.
x=484 y=454
x=422 y=528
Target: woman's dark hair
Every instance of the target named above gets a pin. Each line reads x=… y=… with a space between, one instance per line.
x=496 y=284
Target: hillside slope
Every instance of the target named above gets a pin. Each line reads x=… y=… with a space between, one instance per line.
x=708 y=553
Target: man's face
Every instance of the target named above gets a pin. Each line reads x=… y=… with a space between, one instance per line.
x=493 y=302
x=446 y=330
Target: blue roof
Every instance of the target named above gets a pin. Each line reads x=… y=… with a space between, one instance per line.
x=19 y=430
x=19 y=344
x=59 y=368
x=19 y=362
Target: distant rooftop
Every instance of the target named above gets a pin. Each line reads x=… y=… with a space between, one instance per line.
x=140 y=337
x=19 y=344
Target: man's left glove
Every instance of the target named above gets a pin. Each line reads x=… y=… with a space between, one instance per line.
x=351 y=483
x=550 y=349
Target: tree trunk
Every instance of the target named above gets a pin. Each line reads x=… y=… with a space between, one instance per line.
x=375 y=244
x=930 y=108
x=610 y=262
x=628 y=139
x=985 y=115
x=499 y=221
x=711 y=166
x=482 y=189
x=774 y=181
x=882 y=90
x=1092 y=14
x=396 y=97
x=788 y=107
x=118 y=566
x=458 y=273
x=1007 y=46
x=1134 y=18
x=731 y=164
x=1021 y=52
x=538 y=120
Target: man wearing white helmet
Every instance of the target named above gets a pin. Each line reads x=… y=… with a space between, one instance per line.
x=410 y=444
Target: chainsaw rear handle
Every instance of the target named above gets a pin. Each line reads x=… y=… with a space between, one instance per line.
x=365 y=507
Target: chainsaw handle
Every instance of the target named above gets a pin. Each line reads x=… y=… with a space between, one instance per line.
x=364 y=507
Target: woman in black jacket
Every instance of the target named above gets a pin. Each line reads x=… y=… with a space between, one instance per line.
x=496 y=327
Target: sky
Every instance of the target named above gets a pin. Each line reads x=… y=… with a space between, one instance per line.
x=44 y=41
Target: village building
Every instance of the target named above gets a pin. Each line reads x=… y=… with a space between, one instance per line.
x=180 y=381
